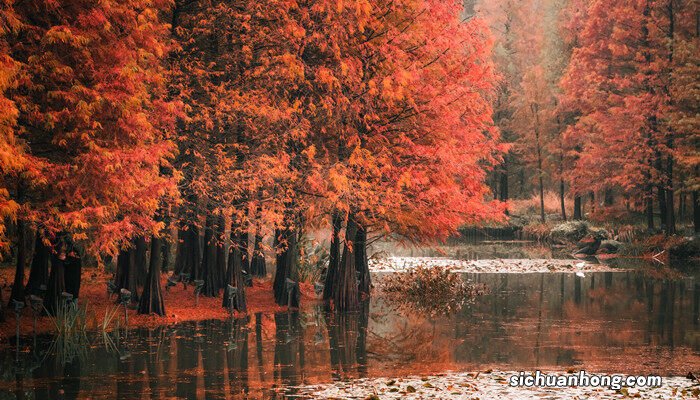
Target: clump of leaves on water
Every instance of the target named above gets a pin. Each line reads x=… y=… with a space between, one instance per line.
x=429 y=290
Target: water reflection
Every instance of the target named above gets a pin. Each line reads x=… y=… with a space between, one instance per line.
x=613 y=321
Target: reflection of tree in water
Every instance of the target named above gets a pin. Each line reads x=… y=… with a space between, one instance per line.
x=64 y=382
x=237 y=357
x=602 y=319
x=157 y=347
x=347 y=337
x=129 y=368
x=289 y=349
x=212 y=358
x=259 y=345
x=187 y=361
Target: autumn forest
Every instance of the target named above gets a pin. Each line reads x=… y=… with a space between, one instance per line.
x=206 y=143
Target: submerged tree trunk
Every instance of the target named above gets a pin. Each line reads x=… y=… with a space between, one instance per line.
x=39 y=272
x=209 y=268
x=126 y=272
x=361 y=263
x=334 y=256
x=152 y=297
x=345 y=288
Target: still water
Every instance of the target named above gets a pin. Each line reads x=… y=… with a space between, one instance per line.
x=624 y=322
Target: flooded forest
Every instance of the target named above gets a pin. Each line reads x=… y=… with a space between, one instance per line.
x=367 y=199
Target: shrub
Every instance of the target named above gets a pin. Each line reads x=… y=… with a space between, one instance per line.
x=570 y=231
x=537 y=231
x=429 y=290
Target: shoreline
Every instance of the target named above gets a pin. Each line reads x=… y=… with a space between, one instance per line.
x=179 y=305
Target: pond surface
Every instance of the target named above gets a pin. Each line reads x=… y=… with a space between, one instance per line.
x=623 y=322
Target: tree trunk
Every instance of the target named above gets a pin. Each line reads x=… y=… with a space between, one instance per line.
x=152 y=297
x=345 y=290
x=140 y=259
x=663 y=212
x=608 y=197
x=541 y=187
x=166 y=249
x=257 y=264
x=279 y=261
x=179 y=265
x=561 y=199
x=209 y=267
x=649 y=209
x=188 y=257
x=540 y=172
x=503 y=181
x=166 y=244
x=126 y=272
x=57 y=283
x=221 y=251
x=334 y=256
x=286 y=265
x=234 y=274
x=73 y=267
x=18 y=285
x=578 y=215
x=245 y=256
x=39 y=272
x=361 y=263
x=670 y=207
